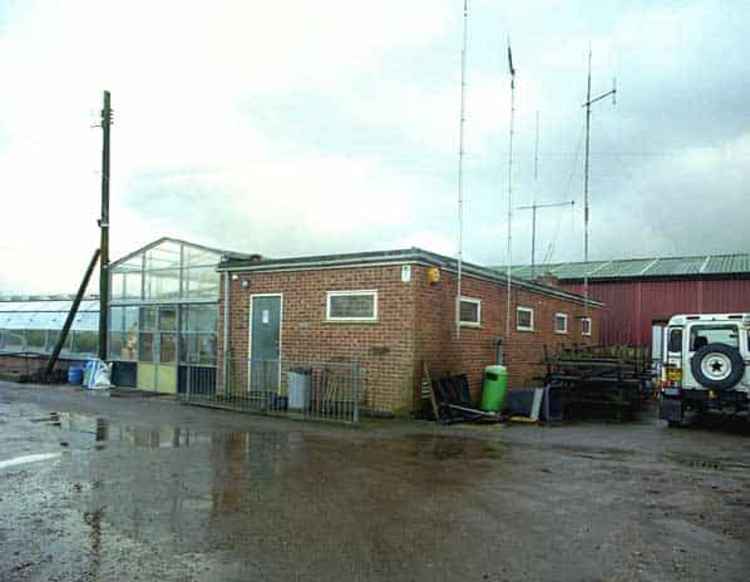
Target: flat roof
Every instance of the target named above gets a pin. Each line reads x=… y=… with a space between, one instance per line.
x=398 y=256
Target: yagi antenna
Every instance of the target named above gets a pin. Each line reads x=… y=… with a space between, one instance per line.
x=589 y=101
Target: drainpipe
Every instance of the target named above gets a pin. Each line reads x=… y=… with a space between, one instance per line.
x=499 y=351
x=225 y=354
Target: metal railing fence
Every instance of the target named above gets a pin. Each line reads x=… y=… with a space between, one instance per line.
x=333 y=391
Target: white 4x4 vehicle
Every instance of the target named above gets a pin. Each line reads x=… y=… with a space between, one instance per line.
x=705 y=366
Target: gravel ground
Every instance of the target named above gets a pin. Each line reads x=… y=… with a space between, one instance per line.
x=99 y=488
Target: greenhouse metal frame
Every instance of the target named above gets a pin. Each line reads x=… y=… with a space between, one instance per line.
x=164 y=314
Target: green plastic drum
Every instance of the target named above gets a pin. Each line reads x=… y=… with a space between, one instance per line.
x=495 y=388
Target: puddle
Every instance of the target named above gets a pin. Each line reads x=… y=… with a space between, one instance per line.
x=101 y=433
x=28 y=459
x=445 y=447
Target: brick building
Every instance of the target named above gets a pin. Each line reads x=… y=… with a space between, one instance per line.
x=390 y=312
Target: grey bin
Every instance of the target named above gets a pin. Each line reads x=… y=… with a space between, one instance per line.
x=299 y=381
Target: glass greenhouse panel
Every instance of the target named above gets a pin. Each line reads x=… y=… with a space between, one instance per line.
x=147 y=321
x=123 y=346
x=53 y=336
x=86 y=322
x=162 y=285
x=200 y=318
x=133 y=286
x=34 y=326
x=117 y=319
x=117 y=286
x=164 y=256
x=168 y=318
x=36 y=340
x=146 y=347
x=85 y=342
x=198 y=349
x=167 y=348
x=116 y=345
x=132 y=264
x=12 y=340
x=195 y=257
x=123 y=319
x=202 y=283
x=131 y=319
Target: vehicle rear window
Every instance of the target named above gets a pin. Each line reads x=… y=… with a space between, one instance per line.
x=675 y=340
x=701 y=335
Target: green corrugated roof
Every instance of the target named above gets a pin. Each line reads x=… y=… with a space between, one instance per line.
x=735 y=264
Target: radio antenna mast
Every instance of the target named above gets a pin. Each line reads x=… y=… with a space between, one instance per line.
x=587 y=105
x=509 y=258
x=536 y=155
x=534 y=204
x=462 y=120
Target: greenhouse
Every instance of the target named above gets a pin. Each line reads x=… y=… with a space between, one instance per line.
x=163 y=315
x=33 y=325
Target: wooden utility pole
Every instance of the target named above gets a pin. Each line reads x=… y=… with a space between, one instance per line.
x=104 y=231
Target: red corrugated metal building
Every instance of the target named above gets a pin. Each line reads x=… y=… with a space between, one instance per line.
x=638 y=291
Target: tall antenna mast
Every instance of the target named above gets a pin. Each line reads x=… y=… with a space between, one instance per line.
x=587 y=105
x=536 y=153
x=462 y=120
x=509 y=258
x=534 y=205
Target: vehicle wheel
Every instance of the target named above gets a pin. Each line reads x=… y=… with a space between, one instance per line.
x=717 y=366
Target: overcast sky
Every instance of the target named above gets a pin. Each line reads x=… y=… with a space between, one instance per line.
x=297 y=127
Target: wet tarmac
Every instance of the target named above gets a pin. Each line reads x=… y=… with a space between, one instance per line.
x=93 y=488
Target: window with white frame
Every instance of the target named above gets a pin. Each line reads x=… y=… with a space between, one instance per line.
x=561 y=323
x=524 y=319
x=470 y=311
x=585 y=326
x=352 y=305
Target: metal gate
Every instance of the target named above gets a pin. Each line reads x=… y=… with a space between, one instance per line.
x=333 y=391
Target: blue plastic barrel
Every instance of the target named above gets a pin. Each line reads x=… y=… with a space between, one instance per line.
x=75 y=375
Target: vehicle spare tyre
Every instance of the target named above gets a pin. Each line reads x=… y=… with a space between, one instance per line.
x=717 y=366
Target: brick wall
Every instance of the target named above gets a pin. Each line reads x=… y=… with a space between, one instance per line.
x=415 y=324
x=385 y=349
x=437 y=345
